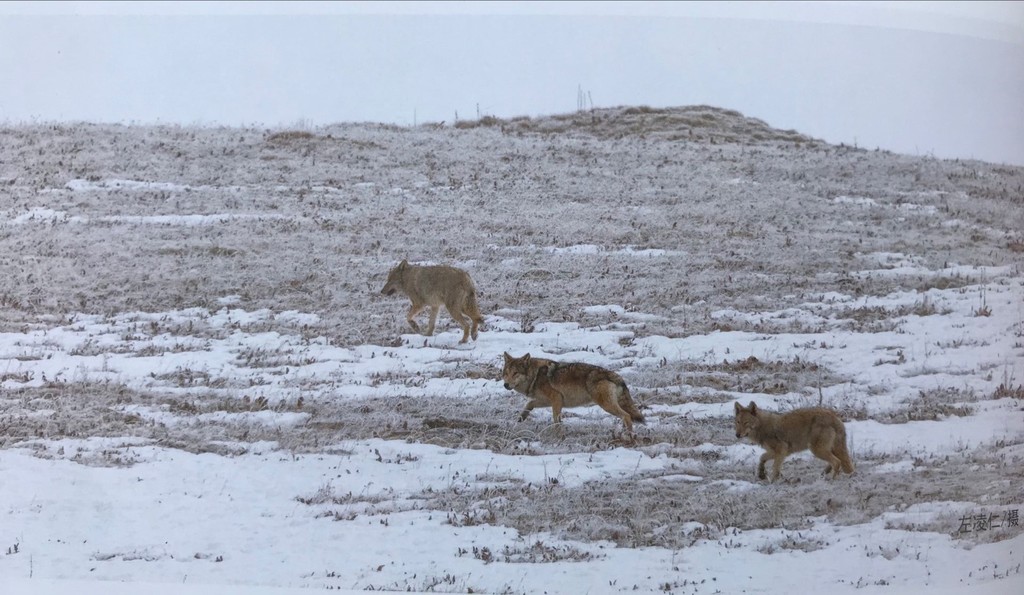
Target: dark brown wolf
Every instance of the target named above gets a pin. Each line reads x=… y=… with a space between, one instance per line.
x=435 y=286
x=553 y=384
x=781 y=435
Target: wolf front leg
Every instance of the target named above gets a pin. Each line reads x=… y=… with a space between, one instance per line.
x=433 y=320
x=414 y=309
x=777 y=465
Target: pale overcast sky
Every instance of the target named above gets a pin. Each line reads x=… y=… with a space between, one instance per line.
x=938 y=78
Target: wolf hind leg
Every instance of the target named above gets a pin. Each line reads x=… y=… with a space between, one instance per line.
x=462 y=320
x=556 y=409
x=822 y=449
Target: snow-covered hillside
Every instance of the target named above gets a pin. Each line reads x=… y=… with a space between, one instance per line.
x=201 y=386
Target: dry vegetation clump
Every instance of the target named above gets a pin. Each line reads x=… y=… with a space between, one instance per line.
x=68 y=410
x=1008 y=391
x=755 y=376
x=90 y=409
x=932 y=405
x=696 y=381
x=679 y=394
x=486 y=121
x=700 y=123
x=289 y=136
x=659 y=510
x=869 y=317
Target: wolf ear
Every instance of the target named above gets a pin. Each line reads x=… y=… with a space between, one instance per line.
x=738 y=406
x=526 y=358
x=753 y=407
x=403 y=264
x=508 y=357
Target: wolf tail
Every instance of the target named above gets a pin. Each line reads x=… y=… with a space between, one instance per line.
x=473 y=308
x=627 y=404
x=840 y=451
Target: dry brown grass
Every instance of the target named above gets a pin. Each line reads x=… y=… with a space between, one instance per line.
x=290 y=136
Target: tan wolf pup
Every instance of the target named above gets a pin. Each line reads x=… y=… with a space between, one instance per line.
x=555 y=384
x=781 y=435
x=433 y=286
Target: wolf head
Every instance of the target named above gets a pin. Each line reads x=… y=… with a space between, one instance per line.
x=394 y=282
x=746 y=419
x=516 y=373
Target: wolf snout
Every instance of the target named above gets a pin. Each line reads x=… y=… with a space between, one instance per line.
x=738 y=435
x=507 y=387
x=387 y=291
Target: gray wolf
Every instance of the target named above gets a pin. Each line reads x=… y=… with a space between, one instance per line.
x=781 y=435
x=434 y=286
x=548 y=383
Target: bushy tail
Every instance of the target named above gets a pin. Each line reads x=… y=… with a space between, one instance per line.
x=839 y=449
x=473 y=309
x=627 y=404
